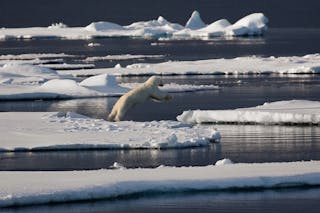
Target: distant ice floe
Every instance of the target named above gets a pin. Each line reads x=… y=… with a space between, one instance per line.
x=253 y=24
x=122 y=57
x=280 y=112
x=30 y=56
x=175 y=88
x=70 y=131
x=30 y=188
x=25 y=74
x=308 y=64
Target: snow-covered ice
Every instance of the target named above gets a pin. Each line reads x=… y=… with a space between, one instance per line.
x=253 y=24
x=30 y=56
x=64 y=131
x=176 y=88
x=308 y=64
x=280 y=112
x=50 y=85
x=195 y=22
x=26 y=188
x=121 y=57
x=224 y=161
x=25 y=74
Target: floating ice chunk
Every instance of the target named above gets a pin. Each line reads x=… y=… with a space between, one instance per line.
x=25 y=74
x=92 y=44
x=117 y=165
x=26 y=69
x=65 y=87
x=117 y=66
x=195 y=22
x=57 y=25
x=103 y=83
x=103 y=26
x=224 y=161
x=122 y=57
x=253 y=24
x=280 y=112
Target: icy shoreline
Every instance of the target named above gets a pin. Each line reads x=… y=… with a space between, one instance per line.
x=30 y=188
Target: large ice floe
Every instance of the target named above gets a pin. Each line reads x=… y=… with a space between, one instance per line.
x=55 y=86
x=33 y=131
x=307 y=64
x=30 y=188
x=28 y=82
x=253 y=24
x=280 y=112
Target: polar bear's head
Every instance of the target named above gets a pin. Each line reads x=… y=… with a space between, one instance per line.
x=154 y=81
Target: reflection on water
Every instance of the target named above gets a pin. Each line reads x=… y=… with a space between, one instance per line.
x=290 y=200
x=240 y=143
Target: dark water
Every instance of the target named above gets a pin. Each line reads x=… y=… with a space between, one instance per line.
x=284 y=13
x=276 y=42
x=266 y=201
x=240 y=143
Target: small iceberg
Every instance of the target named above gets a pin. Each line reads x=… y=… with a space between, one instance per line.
x=195 y=22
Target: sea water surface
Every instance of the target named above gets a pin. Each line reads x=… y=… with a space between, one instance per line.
x=240 y=143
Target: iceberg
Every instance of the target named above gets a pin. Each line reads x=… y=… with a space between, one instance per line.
x=254 y=24
x=297 y=112
x=20 y=188
x=103 y=26
x=195 y=22
x=52 y=131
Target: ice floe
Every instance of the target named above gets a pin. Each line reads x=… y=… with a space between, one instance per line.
x=27 y=82
x=280 y=112
x=33 y=131
x=30 y=56
x=96 y=86
x=122 y=57
x=29 y=188
x=308 y=64
x=25 y=74
x=174 y=88
x=253 y=24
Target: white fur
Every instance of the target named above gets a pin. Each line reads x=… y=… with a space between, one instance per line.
x=149 y=90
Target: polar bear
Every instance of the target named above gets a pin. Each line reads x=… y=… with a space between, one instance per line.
x=148 y=91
